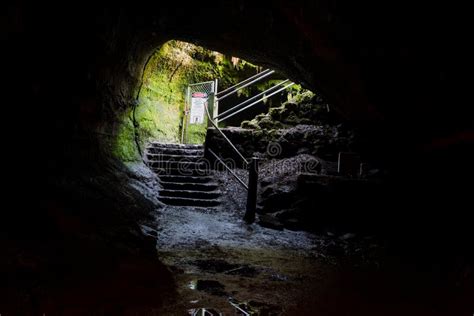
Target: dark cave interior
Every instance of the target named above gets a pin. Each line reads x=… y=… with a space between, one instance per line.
x=71 y=239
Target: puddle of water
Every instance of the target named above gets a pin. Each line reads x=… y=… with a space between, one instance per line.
x=192 y=285
x=209 y=286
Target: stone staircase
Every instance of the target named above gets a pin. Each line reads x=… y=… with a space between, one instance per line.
x=185 y=178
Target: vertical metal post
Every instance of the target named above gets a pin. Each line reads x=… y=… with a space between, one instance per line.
x=216 y=103
x=249 y=216
x=187 y=105
x=210 y=105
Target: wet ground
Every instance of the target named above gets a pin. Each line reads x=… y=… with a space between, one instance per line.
x=216 y=256
x=219 y=262
x=209 y=258
x=222 y=264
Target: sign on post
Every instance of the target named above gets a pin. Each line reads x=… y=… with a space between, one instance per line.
x=198 y=102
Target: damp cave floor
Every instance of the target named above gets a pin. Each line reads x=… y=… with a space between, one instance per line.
x=215 y=257
x=251 y=263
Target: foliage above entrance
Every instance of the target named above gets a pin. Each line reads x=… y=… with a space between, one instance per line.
x=161 y=95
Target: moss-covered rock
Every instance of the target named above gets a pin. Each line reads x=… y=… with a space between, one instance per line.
x=125 y=147
x=304 y=124
x=159 y=110
x=249 y=124
x=303 y=108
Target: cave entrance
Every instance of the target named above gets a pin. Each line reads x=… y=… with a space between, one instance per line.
x=158 y=114
x=162 y=96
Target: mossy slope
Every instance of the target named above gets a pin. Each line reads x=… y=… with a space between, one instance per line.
x=159 y=112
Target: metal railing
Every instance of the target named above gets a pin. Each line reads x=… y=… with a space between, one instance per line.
x=258 y=101
x=237 y=87
x=250 y=99
x=211 y=120
x=252 y=165
x=228 y=169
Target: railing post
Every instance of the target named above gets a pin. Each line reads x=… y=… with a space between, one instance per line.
x=215 y=111
x=187 y=106
x=249 y=216
x=211 y=104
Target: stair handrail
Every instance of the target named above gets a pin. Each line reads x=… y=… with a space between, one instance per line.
x=256 y=102
x=219 y=98
x=251 y=166
x=224 y=136
x=242 y=82
x=228 y=169
x=250 y=99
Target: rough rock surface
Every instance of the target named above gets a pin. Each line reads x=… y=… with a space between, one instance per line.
x=367 y=61
x=323 y=141
x=306 y=108
x=398 y=71
x=86 y=245
x=304 y=192
x=303 y=125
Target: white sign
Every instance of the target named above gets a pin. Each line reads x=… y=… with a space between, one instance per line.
x=198 y=102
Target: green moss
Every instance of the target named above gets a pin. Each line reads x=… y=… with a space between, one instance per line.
x=304 y=96
x=249 y=124
x=196 y=134
x=125 y=147
x=161 y=96
x=304 y=107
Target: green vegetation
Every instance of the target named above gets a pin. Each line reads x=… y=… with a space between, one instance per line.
x=303 y=107
x=161 y=96
x=125 y=147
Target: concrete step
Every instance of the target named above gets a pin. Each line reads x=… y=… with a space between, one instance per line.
x=181 y=165
x=166 y=157
x=189 y=186
x=185 y=179
x=179 y=201
x=203 y=195
x=193 y=172
x=171 y=145
x=175 y=151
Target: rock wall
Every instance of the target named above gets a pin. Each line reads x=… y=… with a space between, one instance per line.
x=322 y=141
x=89 y=61
x=396 y=71
x=158 y=114
x=303 y=125
x=306 y=193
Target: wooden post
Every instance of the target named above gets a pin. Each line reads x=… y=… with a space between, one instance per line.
x=252 y=192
